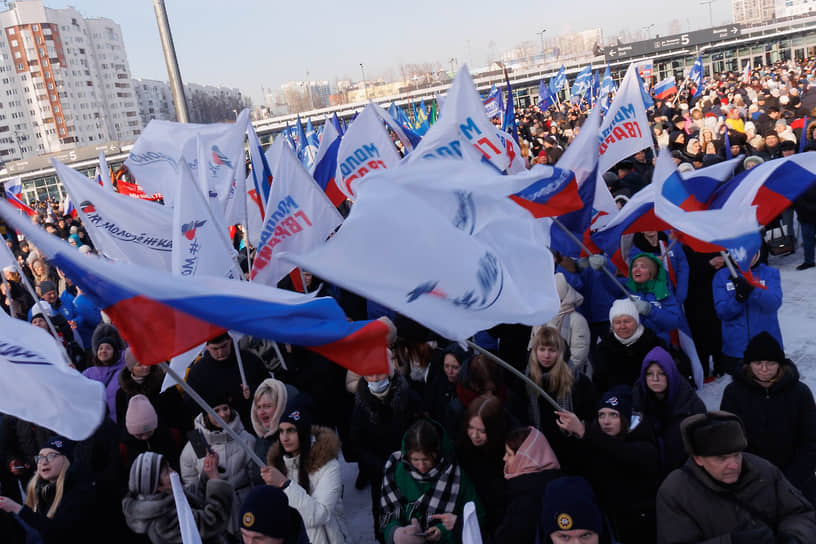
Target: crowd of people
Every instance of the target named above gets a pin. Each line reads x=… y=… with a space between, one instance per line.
x=606 y=442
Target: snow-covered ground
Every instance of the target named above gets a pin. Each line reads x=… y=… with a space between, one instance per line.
x=797 y=318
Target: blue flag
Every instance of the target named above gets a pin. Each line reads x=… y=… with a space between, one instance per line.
x=303 y=152
x=287 y=132
x=557 y=82
x=647 y=98
x=696 y=76
x=422 y=120
x=509 y=121
x=545 y=97
x=336 y=122
x=399 y=116
x=492 y=103
x=595 y=88
x=583 y=81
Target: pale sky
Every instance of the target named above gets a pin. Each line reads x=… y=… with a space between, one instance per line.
x=251 y=44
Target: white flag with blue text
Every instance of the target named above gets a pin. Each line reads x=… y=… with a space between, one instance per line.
x=122 y=228
x=37 y=385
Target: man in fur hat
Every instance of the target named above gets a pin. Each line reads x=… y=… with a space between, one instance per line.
x=724 y=495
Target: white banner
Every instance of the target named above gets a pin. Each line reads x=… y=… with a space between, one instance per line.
x=457 y=267
x=37 y=386
x=200 y=246
x=465 y=130
x=122 y=228
x=625 y=127
x=366 y=147
x=155 y=157
x=187 y=523
x=299 y=218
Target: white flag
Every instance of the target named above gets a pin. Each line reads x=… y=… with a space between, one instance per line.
x=625 y=127
x=365 y=148
x=179 y=364
x=299 y=217
x=122 y=228
x=38 y=386
x=471 y=534
x=187 y=522
x=465 y=130
x=200 y=246
x=457 y=270
x=155 y=157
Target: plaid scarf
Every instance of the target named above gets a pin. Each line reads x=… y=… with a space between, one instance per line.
x=446 y=478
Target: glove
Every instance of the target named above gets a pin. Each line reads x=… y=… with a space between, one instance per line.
x=597 y=261
x=407 y=534
x=583 y=263
x=742 y=288
x=642 y=306
x=762 y=535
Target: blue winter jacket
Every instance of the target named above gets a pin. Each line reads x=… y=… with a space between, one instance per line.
x=741 y=321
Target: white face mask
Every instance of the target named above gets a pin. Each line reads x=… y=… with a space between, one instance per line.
x=378 y=386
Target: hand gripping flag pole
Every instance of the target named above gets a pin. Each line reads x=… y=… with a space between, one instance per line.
x=581 y=244
x=207 y=408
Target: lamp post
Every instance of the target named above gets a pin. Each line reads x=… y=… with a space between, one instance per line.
x=541 y=37
x=710 y=16
x=365 y=87
x=648 y=30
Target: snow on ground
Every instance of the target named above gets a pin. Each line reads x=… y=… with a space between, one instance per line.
x=797 y=319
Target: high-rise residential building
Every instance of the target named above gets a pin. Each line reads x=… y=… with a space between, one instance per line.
x=155 y=100
x=64 y=81
x=789 y=8
x=747 y=12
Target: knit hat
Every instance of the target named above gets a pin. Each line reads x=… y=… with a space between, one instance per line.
x=763 y=347
x=300 y=415
x=266 y=510
x=624 y=306
x=145 y=472
x=713 y=433
x=619 y=398
x=752 y=159
x=569 y=504
x=141 y=416
x=47 y=286
x=41 y=308
x=60 y=444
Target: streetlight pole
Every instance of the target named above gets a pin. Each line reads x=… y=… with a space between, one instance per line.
x=648 y=30
x=172 y=62
x=710 y=16
x=541 y=37
x=365 y=87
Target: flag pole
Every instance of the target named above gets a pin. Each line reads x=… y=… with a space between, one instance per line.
x=303 y=281
x=729 y=264
x=12 y=313
x=582 y=246
x=207 y=408
x=47 y=318
x=543 y=394
x=279 y=354
x=240 y=361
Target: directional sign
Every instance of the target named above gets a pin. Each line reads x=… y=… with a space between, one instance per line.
x=676 y=41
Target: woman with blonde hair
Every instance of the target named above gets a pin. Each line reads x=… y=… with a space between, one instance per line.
x=572 y=391
x=268 y=406
x=59 y=505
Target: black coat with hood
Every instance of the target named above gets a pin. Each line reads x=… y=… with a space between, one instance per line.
x=780 y=422
x=619 y=364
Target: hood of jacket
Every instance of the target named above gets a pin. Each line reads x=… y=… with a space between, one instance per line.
x=219 y=436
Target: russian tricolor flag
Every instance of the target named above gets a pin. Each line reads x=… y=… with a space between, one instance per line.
x=161 y=316
x=68 y=207
x=13 y=191
x=665 y=88
x=326 y=164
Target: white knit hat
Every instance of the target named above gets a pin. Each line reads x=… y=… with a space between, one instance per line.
x=624 y=306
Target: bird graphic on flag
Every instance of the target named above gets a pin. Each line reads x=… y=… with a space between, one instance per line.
x=189 y=229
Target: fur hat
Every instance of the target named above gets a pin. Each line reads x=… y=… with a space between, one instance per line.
x=763 y=347
x=144 y=473
x=713 y=433
x=624 y=306
x=141 y=416
x=569 y=504
x=107 y=330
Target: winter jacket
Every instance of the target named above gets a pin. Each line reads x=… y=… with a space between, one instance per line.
x=156 y=515
x=75 y=517
x=524 y=494
x=321 y=507
x=168 y=405
x=805 y=206
x=86 y=317
x=741 y=321
x=664 y=316
x=780 y=422
x=619 y=364
x=624 y=472
x=692 y=507
x=231 y=456
x=109 y=377
x=377 y=425
x=598 y=294
x=664 y=416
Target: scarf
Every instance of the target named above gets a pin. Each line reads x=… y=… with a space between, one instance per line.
x=632 y=339
x=657 y=286
x=446 y=478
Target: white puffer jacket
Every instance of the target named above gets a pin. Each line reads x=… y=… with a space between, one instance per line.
x=231 y=456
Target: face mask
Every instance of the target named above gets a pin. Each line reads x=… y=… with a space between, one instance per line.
x=378 y=387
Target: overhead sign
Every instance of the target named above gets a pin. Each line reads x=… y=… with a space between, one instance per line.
x=675 y=41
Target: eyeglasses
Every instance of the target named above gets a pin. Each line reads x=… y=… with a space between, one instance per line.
x=49 y=457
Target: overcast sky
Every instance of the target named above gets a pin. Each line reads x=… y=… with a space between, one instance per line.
x=251 y=44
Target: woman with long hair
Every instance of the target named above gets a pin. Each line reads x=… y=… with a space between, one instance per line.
x=303 y=463
x=59 y=505
x=573 y=392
